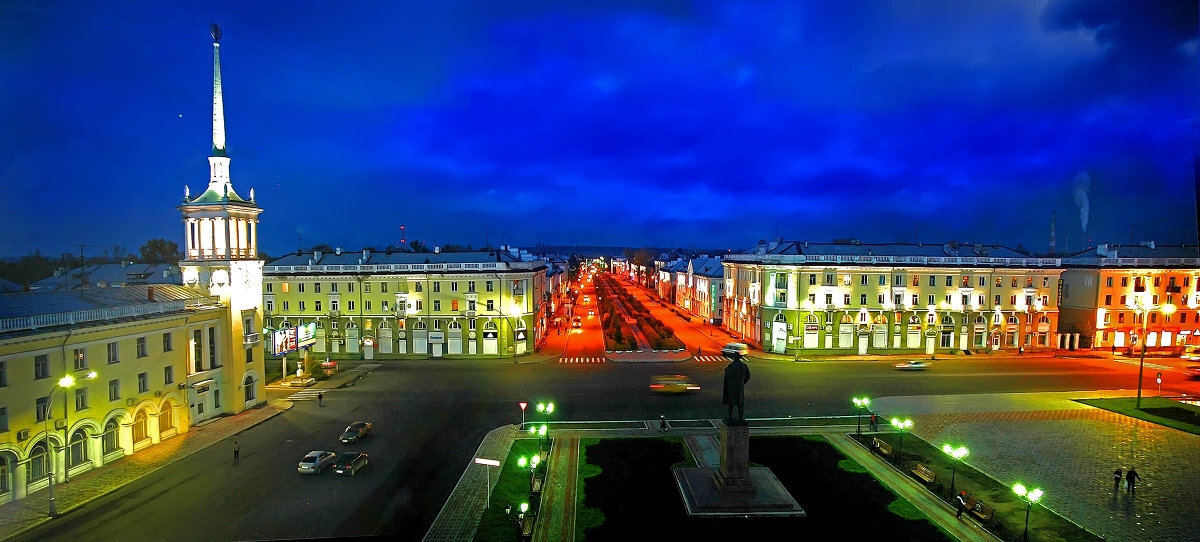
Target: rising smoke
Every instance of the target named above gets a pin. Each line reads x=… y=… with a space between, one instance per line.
x=1083 y=184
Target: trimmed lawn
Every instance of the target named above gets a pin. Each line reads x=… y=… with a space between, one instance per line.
x=510 y=488
x=628 y=493
x=1008 y=521
x=1165 y=412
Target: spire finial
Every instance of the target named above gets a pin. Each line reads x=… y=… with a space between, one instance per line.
x=187 y=192
x=215 y=30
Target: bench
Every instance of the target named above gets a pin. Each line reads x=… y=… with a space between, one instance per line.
x=923 y=472
x=527 y=527
x=881 y=447
x=978 y=509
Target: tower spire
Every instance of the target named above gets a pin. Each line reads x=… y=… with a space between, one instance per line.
x=218 y=148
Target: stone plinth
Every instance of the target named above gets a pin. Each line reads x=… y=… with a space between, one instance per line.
x=734 y=474
x=734 y=489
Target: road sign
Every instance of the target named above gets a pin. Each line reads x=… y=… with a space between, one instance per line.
x=523 y=405
x=1159 y=378
x=488 y=462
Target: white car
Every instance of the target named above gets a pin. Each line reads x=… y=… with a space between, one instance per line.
x=315 y=461
x=735 y=348
x=912 y=365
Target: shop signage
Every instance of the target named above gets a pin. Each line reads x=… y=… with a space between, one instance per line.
x=437 y=337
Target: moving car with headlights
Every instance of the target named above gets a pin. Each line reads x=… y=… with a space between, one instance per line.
x=672 y=384
x=915 y=365
x=355 y=432
x=735 y=348
x=315 y=461
x=1191 y=352
x=348 y=463
x=576 y=323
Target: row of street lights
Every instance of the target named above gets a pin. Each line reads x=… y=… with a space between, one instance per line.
x=957 y=453
x=531 y=463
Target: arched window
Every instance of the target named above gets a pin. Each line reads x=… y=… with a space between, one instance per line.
x=385 y=325
x=947 y=320
x=880 y=319
x=846 y=319
x=110 y=440
x=166 y=419
x=5 y=468
x=810 y=319
x=520 y=323
x=914 y=319
x=979 y=320
x=248 y=385
x=37 y=461
x=930 y=318
x=1044 y=320
x=420 y=325
x=1012 y=320
x=779 y=317
x=489 y=326
x=139 y=426
x=454 y=326
x=78 y=452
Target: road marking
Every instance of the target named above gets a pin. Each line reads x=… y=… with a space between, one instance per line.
x=710 y=359
x=582 y=360
x=306 y=395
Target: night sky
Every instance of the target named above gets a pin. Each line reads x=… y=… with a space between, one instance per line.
x=709 y=124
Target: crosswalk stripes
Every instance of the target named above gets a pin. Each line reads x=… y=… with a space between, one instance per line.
x=306 y=395
x=582 y=360
x=711 y=359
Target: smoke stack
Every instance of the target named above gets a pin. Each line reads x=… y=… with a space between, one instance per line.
x=150 y=293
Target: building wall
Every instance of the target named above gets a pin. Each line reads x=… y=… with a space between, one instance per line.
x=1128 y=298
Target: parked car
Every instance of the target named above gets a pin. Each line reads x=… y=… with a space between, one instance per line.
x=355 y=432
x=315 y=461
x=915 y=365
x=329 y=364
x=735 y=348
x=672 y=384
x=348 y=463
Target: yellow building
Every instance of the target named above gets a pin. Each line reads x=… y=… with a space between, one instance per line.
x=794 y=297
x=1116 y=294
x=144 y=344
x=379 y=303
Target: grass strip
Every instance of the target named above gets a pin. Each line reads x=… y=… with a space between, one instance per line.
x=1158 y=410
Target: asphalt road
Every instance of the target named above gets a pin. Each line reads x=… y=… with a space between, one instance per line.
x=430 y=416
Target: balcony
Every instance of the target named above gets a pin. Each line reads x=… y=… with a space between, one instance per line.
x=251 y=340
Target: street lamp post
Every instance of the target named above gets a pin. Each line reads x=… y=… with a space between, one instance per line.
x=65 y=383
x=1029 y=496
x=957 y=454
x=859 y=404
x=1144 y=311
x=901 y=425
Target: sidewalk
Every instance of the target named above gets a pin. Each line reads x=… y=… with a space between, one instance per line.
x=19 y=516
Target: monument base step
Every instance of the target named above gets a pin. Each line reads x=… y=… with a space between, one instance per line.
x=702 y=497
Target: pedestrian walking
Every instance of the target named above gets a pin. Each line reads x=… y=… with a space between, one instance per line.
x=1131 y=477
x=235 y=452
x=874 y=422
x=320 y=398
x=662 y=423
x=961 y=501
x=1021 y=350
x=1117 y=475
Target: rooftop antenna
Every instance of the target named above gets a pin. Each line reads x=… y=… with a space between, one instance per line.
x=487 y=243
x=402 y=239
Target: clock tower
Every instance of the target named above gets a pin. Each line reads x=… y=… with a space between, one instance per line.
x=221 y=261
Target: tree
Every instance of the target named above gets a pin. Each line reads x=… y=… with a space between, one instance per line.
x=417 y=246
x=323 y=248
x=159 y=251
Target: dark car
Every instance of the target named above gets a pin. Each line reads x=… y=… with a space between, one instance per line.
x=348 y=463
x=355 y=432
x=1192 y=373
x=576 y=323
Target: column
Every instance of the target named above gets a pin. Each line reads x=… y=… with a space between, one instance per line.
x=152 y=429
x=58 y=462
x=95 y=445
x=254 y=238
x=20 y=480
x=212 y=236
x=125 y=437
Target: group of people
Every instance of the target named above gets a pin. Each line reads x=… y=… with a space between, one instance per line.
x=1130 y=476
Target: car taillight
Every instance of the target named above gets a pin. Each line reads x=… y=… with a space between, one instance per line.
x=656 y=385
x=693 y=387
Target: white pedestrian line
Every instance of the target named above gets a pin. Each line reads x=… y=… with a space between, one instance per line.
x=306 y=395
x=581 y=360
x=1150 y=365
x=710 y=359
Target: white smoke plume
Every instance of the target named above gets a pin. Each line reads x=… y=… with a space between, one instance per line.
x=1083 y=184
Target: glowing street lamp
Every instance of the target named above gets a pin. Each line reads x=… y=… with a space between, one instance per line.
x=64 y=383
x=1029 y=496
x=901 y=426
x=957 y=454
x=1167 y=310
x=859 y=404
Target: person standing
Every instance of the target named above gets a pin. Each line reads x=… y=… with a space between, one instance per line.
x=874 y=422
x=235 y=452
x=961 y=501
x=1131 y=477
x=1117 y=475
x=320 y=398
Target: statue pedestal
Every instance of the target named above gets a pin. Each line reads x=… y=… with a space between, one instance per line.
x=734 y=474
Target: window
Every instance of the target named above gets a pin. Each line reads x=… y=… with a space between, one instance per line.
x=1122 y=300
x=212 y=348
x=915 y=300
x=1154 y=299
x=996 y=300
x=141 y=347
x=417 y=287
x=419 y=304
x=812 y=298
x=454 y=305
x=333 y=305
x=1124 y=281
x=167 y=341
x=143 y=383
x=316 y=287
x=366 y=287
x=979 y=300
x=114 y=390
x=302 y=309
x=883 y=280
x=3 y=419
x=812 y=279
x=333 y=287
x=80 y=358
x=488 y=285
x=437 y=305
x=982 y=282
x=880 y=299
x=384 y=303
x=3 y=374
x=36 y=467
x=43 y=403
x=317 y=305
x=931 y=301
x=471 y=323
x=947 y=299
x=367 y=305
x=863 y=280
x=268 y=287
x=490 y=307
x=1108 y=299
x=198 y=350
x=966 y=281
x=1156 y=280
x=828 y=299
x=1029 y=282
x=1045 y=282
x=949 y=280
x=300 y=287
x=1153 y=317
x=437 y=286
x=41 y=366
x=862 y=298
x=1012 y=300
x=383 y=287
x=1121 y=318
x=216 y=398
x=966 y=299
x=454 y=286
x=109 y=439
x=470 y=286
x=932 y=280
x=285 y=306
x=1108 y=282
x=168 y=375
x=916 y=280
x=81 y=399
x=437 y=325
x=270 y=305
x=349 y=286
x=113 y=353
x=350 y=306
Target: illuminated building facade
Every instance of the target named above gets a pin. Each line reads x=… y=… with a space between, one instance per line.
x=793 y=297
x=1117 y=296
x=378 y=303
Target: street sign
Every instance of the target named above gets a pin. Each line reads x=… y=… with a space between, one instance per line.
x=488 y=462
x=1159 y=378
x=523 y=405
